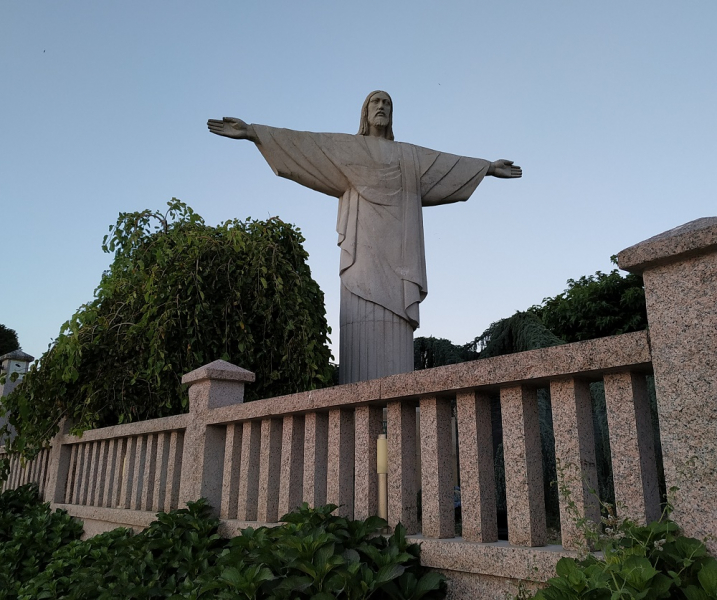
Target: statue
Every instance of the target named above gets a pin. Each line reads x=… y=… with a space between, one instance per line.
x=382 y=186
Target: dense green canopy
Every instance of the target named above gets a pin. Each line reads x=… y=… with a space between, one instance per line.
x=179 y=294
x=8 y=340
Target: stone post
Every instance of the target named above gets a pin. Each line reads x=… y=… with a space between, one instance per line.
x=679 y=268
x=58 y=465
x=212 y=386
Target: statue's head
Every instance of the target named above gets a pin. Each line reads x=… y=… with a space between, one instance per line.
x=377 y=111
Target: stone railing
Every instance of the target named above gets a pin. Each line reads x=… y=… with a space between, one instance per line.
x=258 y=460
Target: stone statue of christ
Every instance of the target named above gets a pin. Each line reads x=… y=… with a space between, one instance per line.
x=382 y=186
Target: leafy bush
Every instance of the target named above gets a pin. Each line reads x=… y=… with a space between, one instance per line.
x=29 y=535
x=180 y=555
x=642 y=562
x=179 y=294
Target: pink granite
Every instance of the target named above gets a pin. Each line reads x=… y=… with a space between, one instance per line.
x=232 y=468
x=174 y=470
x=475 y=448
x=340 y=466
x=291 y=483
x=438 y=519
x=634 y=467
x=523 y=466
x=679 y=268
x=59 y=466
x=402 y=480
x=129 y=429
x=369 y=424
x=249 y=473
x=316 y=449
x=159 y=485
x=269 y=471
x=575 y=457
x=127 y=472
x=213 y=386
x=220 y=370
x=678 y=245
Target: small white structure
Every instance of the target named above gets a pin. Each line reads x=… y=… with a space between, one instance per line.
x=13 y=362
x=18 y=362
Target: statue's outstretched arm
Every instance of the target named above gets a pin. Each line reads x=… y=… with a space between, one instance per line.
x=505 y=169
x=232 y=128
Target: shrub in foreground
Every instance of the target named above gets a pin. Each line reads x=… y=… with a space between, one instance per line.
x=313 y=555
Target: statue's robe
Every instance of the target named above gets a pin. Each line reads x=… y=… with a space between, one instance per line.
x=381 y=186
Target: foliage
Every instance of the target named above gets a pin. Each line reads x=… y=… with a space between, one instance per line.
x=435 y=352
x=519 y=333
x=29 y=535
x=313 y=555
x=8 y=340
x=595 y=306
x=179 y=294
x=650 y=562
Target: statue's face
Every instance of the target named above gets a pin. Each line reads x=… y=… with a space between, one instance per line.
x=379 y=110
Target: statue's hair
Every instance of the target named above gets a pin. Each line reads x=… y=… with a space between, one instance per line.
x=364 y=126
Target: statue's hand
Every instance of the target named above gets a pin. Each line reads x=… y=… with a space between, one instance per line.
x=231 y=128
x=505 y=169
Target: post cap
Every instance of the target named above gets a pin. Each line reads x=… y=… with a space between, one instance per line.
x=219 y=370
x=693 y=238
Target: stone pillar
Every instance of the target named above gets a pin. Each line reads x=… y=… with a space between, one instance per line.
x=523 y=466
x=575 y=456
x=212 y=386
x=475 y=446
x=58 y=467
x=437 y=468
x=679 y=268
x=402 y=488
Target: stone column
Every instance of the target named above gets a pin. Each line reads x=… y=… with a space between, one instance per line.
x=58 y=467
x=212 y=386
x=679 y=268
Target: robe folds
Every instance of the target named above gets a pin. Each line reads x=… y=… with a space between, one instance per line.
x=382 y=186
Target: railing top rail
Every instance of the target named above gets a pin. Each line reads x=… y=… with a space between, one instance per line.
x=160 y=425
x=588 y=359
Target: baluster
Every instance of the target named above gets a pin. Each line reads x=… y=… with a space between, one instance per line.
x=340 y=466
x=632 y=446
x=475 y=447
x=369 y=424
x=437 y=468
x=269 y=471
x=249 y=478
x=148 y=492
x=174 y=470
x=402 y=487
x=523 y=466
x=316 y=449
x=160 y=474
x=575 y=457
x=292 y=464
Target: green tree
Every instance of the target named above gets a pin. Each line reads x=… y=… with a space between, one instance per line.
x=8 y=340
x=596 y=306
x=178 y=294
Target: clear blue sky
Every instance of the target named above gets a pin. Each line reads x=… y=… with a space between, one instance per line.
x=608 y=106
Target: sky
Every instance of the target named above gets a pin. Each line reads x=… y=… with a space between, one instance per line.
x=609 y=108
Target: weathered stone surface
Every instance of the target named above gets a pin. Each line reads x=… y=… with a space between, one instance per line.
x=575 y=457
x=678 y=244
x=436 y=469
x=292 y=464
x=634 y=467
x=523 y=466
x=340 y=467
x=679 y=268
x=475 y=442
x=402 y=478
x=369 y=424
